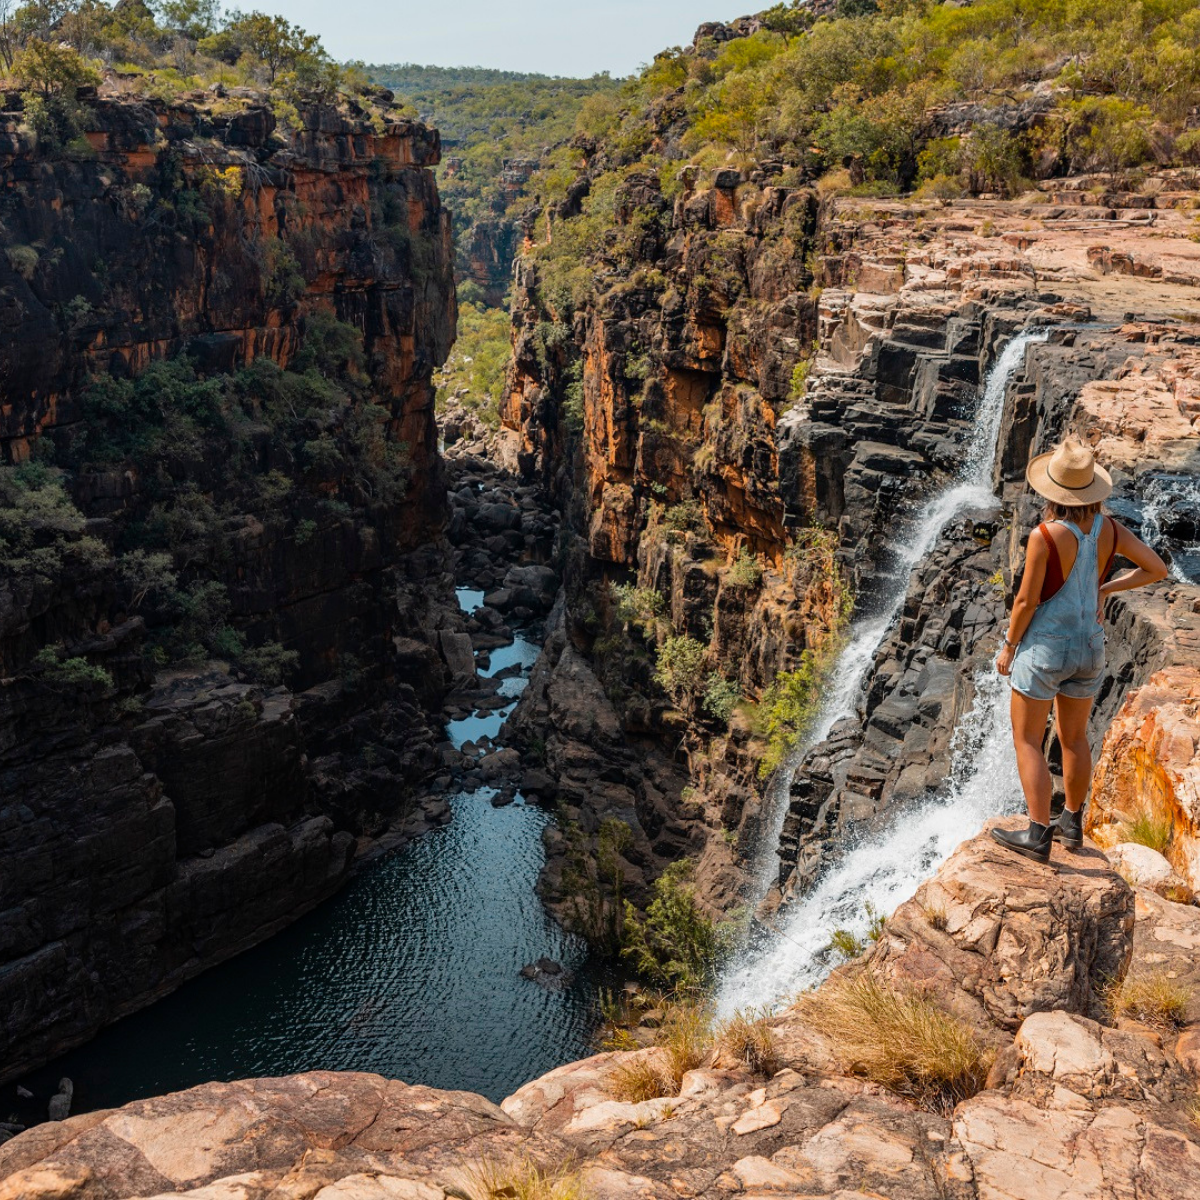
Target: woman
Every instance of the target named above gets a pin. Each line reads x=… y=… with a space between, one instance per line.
x=1054 y=648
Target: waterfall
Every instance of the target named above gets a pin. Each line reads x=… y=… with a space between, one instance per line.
x=884 y=869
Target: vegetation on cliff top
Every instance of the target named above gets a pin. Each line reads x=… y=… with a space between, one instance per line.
x=50 y=49
x=487 y=118
x=882 y=99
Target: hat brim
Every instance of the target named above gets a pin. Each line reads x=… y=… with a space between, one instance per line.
x=1037 y=475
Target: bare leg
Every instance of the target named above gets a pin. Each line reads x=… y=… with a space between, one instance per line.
x=1071 y=718
x=1029 y=733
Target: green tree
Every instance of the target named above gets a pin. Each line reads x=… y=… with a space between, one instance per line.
x=194 y=18
x=51 y=69
x=273 y=40
x=675 y=944
x=680 y=667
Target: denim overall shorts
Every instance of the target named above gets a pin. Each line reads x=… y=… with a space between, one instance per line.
x=1063 y=648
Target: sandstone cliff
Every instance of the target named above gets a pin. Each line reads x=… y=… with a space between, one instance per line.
x=217 y=342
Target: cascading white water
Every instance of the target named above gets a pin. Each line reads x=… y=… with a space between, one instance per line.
x=766 y=973
x=885 y=868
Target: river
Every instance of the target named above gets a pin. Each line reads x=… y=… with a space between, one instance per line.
x=412 y=970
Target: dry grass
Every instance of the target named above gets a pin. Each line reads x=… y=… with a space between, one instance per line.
x=747 y=1037
x=519 y=1179
x=1193 y=1111
x=1153 y=999
x=685 y=1038
x=634 y=1082
x=935 y=914
x=902 y=1040
x=1147 y=829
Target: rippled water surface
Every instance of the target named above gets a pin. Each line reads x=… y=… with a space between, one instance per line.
x=412 y=971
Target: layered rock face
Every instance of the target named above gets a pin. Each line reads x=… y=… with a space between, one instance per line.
x=945 y=284
x=1150 y=768
x=160 y=820
x=1072 y=1106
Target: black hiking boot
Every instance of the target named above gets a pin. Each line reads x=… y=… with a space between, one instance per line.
x=1034 y=842
x=1068 y=828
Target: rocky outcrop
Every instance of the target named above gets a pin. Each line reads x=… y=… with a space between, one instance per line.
x=156 y=822
x=1149 y=768
x=985 y=936
x=1072 y=1106
x=920 y=300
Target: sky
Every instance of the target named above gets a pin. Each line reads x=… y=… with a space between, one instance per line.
x=550 y=37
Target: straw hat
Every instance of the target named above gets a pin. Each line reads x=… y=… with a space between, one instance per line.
x=1069 y=475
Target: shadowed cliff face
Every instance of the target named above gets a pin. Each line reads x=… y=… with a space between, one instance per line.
x=162 y=810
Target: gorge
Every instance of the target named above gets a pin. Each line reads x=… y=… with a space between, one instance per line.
x=349 y=739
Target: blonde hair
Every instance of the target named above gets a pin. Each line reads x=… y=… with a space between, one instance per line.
x=1072 y=512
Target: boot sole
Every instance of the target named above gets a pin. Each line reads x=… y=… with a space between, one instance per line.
x=1033 y=854
x=1070 y=843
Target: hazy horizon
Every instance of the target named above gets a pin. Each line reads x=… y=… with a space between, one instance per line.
x=545 y=37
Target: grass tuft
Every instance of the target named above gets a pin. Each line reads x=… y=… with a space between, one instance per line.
x=935 y=914
x=900 y=1039
x=846 y=944
x=686 y=1038
x=747 y=1037
x=637 y=1081
x=686 y=1035
x=1146 y=829
x=1153 y=999
x=519 y=1179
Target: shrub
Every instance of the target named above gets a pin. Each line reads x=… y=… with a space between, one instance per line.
x=720 y=697
x=675 y=944
x=70 y=672
x=283 y=281
x=746 y=571
x=790 y=705
x=23 y=260
x=636 y=605
x=679 y=667
x=1153 y=998
x=40 y=528
x=800 y=374
x=899 y=1039
x=684 y=517
x=269 y=663
x=146 y=572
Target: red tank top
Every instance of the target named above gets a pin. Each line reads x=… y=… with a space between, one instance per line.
x=1054 y=572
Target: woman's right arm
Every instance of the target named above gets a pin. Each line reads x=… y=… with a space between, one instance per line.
x=1147 y=566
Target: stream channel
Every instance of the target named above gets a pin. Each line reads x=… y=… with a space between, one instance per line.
x=412 y=970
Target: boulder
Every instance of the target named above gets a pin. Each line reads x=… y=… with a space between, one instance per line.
x=1140 y=865
x=459 y=654
x=996 y=937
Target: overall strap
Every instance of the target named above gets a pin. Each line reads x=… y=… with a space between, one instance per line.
x=1054 y=572
x=1112 y=554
